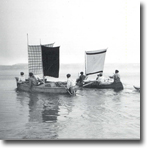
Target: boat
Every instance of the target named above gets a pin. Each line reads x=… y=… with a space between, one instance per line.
x=108 y=85
x=137 y=88
x=44 y=59
x=57 y=88
x=94 y=64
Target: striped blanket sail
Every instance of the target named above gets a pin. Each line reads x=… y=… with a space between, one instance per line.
x=35 y=58
x=94 y=61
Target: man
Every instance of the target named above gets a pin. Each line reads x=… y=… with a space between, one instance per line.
x=32 y=80
x=100 y=78
x=116 y=77
x=81 y=79
x=117 y=83
x=70 y=84
x=21 y=78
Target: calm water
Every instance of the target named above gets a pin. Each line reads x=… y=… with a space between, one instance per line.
x=91 y=114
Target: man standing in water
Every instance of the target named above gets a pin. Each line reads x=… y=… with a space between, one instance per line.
x=117 y=83
x=70 y=85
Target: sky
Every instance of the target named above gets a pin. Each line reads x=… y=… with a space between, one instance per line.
x=74 y=25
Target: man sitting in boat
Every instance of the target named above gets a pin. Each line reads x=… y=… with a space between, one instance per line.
x=70 y=84
x=81 y=79
x=116 y=77
x=21 y=78
x=32 y=80
x=100 y=78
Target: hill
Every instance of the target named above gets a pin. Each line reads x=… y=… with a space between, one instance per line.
x=15 y=66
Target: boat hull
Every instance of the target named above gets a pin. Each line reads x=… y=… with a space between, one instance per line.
x=51 y=87
x=137 y=88
x=41 y=89
x=95 y=84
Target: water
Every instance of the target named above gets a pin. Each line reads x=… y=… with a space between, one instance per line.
x=91 y=114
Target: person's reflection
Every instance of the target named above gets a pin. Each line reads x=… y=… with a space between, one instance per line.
x=35 y=107
x=43 y=108
x=22 y=97
x=117 y=90
x=50 y=109
x=117 y=95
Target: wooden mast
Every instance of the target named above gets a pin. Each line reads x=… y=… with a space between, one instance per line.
x=28 y=51
x=85 y=62
x=42 y=64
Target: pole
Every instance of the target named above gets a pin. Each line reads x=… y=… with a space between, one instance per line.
x=42 y=64
x=27 y=40
x=85 y=63
x=28 y=51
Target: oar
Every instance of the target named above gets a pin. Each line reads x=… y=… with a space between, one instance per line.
x=87 y=84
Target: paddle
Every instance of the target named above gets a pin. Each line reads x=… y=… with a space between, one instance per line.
x=87 y=84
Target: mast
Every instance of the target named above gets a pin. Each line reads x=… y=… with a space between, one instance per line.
x=85 y=62
x=27 y=40
x=42 y=64
x=28 y=51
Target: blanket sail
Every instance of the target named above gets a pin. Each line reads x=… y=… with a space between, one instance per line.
x=35 y=58
x=94 y=61
x=50 y=61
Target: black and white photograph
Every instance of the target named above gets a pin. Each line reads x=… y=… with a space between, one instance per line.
x=70 y=70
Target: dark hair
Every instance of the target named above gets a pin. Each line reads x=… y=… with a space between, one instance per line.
x=81 y=73
x=100 y=74
x=68 y=75
x=30 y=74
x=21 y=73
x=116 y=71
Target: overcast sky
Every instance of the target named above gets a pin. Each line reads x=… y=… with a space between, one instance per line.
x=74 y=25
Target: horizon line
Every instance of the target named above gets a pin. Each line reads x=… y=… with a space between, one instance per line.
x=73 y=63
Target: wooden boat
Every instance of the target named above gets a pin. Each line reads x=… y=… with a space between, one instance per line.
x=137 y=88
x=94 y=64
x=108 y=85
x=44 y=59
x=50 y=87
